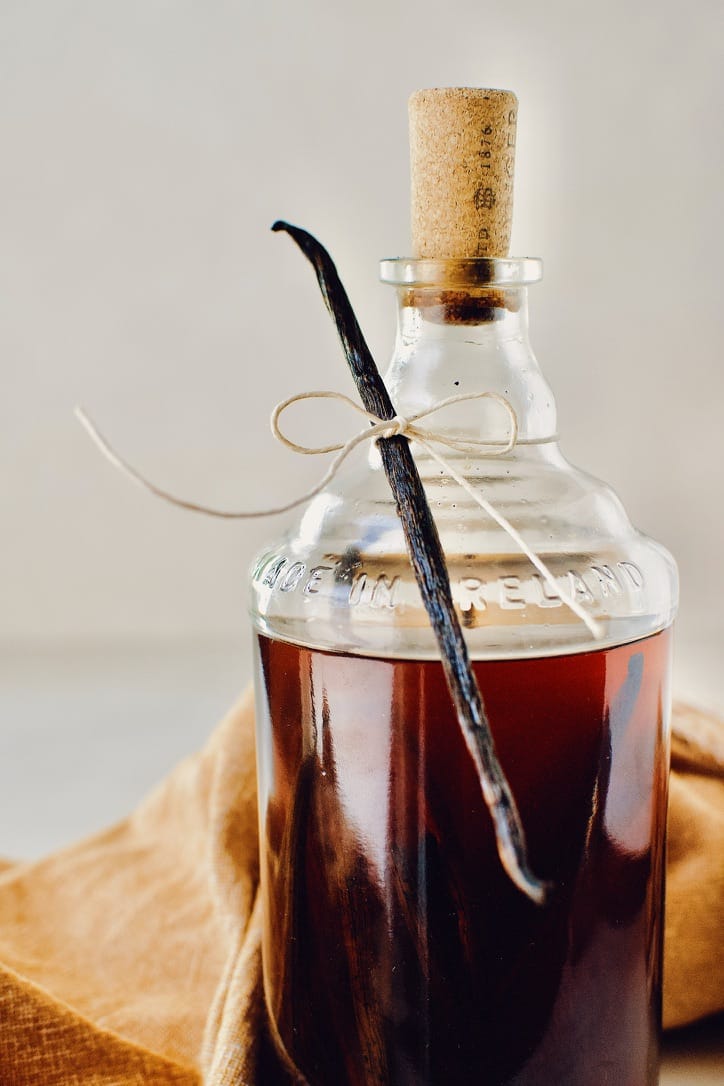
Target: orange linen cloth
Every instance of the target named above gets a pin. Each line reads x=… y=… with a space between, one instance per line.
x=134 y=957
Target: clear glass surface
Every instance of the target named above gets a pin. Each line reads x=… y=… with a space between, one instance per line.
x=340 y=578
x=396 y=951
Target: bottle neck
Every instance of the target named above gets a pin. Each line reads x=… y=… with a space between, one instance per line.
x=452 y=342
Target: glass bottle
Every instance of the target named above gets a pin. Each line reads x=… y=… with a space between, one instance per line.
x=396 y=949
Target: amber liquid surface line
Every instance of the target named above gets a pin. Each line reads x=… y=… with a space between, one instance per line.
x=396 y=950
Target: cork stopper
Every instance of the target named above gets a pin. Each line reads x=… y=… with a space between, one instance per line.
x=462 y=157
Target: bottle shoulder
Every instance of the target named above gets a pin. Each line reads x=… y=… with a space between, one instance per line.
x=339 y=577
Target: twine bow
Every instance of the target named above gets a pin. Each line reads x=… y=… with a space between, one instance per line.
x=377 y=430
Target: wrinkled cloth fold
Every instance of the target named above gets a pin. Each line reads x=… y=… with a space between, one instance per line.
x=134 y=957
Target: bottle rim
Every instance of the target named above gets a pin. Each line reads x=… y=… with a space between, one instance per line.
x=479 y=272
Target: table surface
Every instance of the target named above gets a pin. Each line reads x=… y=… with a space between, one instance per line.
x=85 y=732
x=694 y=1055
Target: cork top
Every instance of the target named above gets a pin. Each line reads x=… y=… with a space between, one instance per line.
x=462 y=157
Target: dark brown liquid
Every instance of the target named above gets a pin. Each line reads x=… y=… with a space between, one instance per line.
x=397 y=951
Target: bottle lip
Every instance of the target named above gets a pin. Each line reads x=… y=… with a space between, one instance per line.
x=480 y=272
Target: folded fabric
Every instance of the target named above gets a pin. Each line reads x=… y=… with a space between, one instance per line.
x=134 y=956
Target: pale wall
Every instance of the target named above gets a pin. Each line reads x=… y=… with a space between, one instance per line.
x=147 y=147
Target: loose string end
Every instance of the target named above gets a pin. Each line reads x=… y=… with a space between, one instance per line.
x=105 y=447
x=136 y=477
x=342 y=450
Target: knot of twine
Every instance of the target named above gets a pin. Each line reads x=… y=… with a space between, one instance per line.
x=378 y=430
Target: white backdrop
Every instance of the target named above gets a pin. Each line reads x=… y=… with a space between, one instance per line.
x=147 y=145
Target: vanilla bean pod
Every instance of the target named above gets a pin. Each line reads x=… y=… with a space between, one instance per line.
x=428 y=562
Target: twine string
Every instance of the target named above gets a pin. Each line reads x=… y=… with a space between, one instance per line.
x=377 y=430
